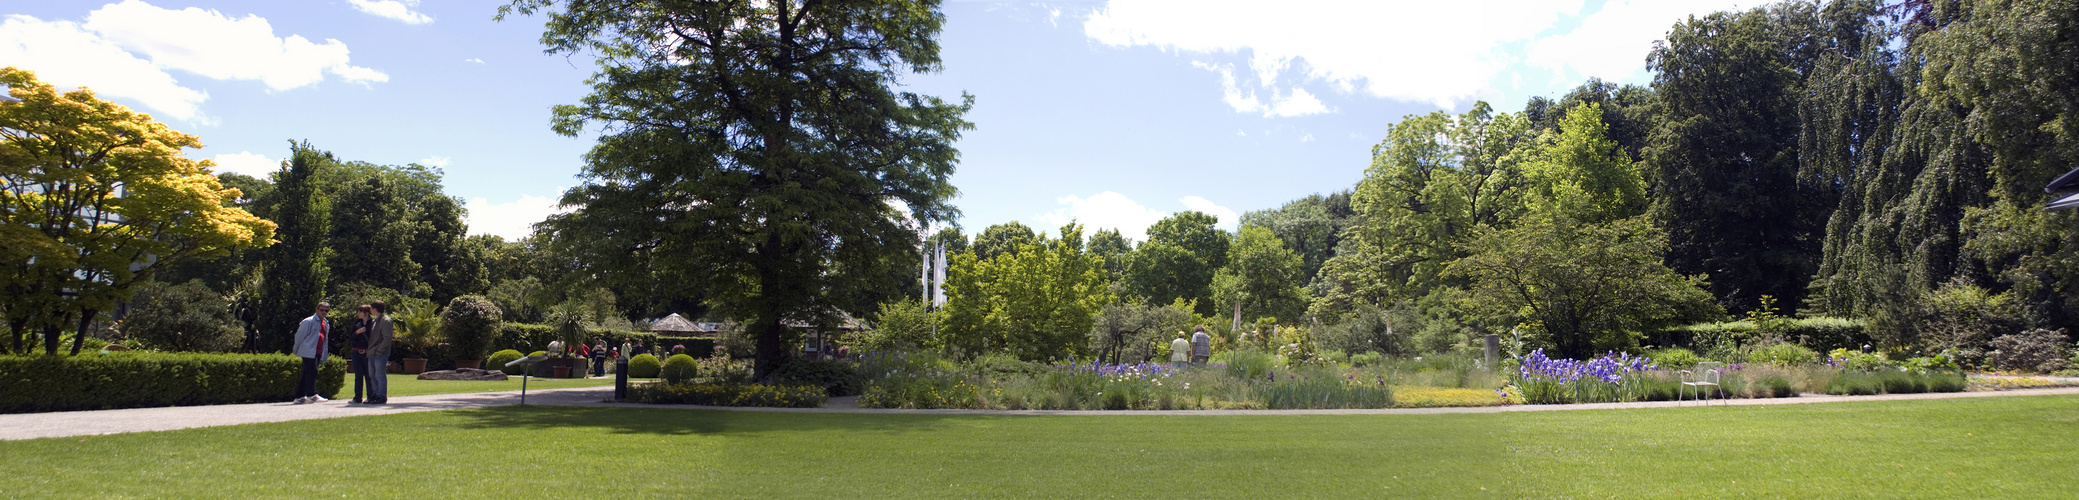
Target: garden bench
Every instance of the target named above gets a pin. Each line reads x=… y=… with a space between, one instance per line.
x=1704 y=375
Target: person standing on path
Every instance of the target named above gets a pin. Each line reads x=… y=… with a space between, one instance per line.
x=310 y=345
x=382 y=337
x=1201 y=346
x=599 y=358
x=1179 y=351
x=359 y=341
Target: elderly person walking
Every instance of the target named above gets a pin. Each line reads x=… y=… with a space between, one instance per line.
x=311 y=346
x=1179 y=351
x=382 y=336
x=1201 y=346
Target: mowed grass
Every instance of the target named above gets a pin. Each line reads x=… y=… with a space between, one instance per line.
x=1959 y=448
x=410 y=385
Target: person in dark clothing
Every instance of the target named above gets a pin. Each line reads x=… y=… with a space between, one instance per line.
x=359 y=339
x=599 y=358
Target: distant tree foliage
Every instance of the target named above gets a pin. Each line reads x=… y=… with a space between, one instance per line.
x=1002 y=239
x=184 y=317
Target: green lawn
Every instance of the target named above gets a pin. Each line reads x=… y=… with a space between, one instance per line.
x=410 y=385
x=1961 y=448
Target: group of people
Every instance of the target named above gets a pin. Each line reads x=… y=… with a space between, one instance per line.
x=1194 y=351
x=371 y=338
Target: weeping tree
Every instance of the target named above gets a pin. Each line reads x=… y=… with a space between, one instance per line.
x=755 y=150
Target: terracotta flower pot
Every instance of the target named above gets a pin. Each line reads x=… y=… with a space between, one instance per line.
x=562 y=371
x=414 y=366
x=469 y=363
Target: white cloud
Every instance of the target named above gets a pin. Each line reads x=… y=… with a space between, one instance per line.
x=1111 y=210
x=474 y=60
x=207 y=43
x=393 y=9
x=1445 y=53
x=1296 y=102
x=1106 y=210
x=67 y=56
x=1613 y=42
x=248 y=163
x=510 y=220
x=435 y=161
x=1308 y=137
x=1228 y=219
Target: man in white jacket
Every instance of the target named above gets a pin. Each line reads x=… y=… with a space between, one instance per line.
x=311 y=338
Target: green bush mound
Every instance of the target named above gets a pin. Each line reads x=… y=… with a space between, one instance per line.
x=500 y=358
x=780 y=396
x=150 y=379
x=677 y=369
x=643 y=366
x=1783 y=354
x=837 y=378
x=1819 y=334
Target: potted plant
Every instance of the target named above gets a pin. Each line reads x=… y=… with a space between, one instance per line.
x=570 y=331
x=417 y=332
x=469 y=324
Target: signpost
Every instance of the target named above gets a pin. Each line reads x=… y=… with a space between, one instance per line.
x=527 y=369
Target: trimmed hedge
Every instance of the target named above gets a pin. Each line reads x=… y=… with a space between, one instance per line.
x=525 y=337
x=1820 y=334
x=500 y=358
x=151 y=379
x=678 y=369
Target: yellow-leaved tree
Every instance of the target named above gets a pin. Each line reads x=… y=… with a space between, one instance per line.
x=94 y=198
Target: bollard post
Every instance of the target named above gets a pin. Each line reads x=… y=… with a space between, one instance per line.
x=1493 y=350
x=621 y=379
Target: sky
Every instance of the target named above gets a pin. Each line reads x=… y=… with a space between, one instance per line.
x=1110 y=113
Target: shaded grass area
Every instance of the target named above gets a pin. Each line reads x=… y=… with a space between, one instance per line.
x=410 y=385
x=1960 y=448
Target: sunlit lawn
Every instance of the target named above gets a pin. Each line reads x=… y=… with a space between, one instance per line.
x=1962 y=448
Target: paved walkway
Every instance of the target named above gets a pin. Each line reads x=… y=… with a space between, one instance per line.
x=86 y=423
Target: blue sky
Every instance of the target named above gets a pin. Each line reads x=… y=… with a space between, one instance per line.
x=1113 y=113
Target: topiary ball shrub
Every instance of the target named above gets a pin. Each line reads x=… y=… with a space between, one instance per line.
x=677 y=369
x=498 y=360
x=643 y=366
x=470 y=323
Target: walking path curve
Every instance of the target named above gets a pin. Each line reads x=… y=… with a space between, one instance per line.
x=86 y=423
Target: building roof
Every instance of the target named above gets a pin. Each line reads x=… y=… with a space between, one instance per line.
x=678 y=324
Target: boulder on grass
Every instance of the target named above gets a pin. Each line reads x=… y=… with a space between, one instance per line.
x=463 y=374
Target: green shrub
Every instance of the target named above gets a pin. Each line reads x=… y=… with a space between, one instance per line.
x=500 y=358
x=1372 y=358
x=998 y=366
x=470 y=323
x=148 y=379
x=1335 y=356
x=728 y=395
x=1674 y=358
x=677 y=369
x=643 y=366
x=2038 y=350
x=1826 y=333
x=184 y=317
x=1782 y=354
x=837 y=378
x=1250 y=364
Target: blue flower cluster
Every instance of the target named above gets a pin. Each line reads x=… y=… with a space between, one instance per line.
x=1611 y=367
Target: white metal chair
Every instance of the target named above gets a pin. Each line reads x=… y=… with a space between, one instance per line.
x=1704 y=375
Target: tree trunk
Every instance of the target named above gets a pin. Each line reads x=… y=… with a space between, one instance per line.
x=14 y=329
x=50 y=335
x=79 y=339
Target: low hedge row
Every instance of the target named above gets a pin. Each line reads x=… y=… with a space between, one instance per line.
x=782 y=396
x=1820 y=334
x=526 y=337
x=149 y=379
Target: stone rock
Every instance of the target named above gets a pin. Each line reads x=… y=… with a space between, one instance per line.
x=463 y=374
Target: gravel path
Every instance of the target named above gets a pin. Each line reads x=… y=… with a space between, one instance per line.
x=85 y=423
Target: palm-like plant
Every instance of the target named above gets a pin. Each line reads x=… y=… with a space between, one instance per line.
x=418 y=328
